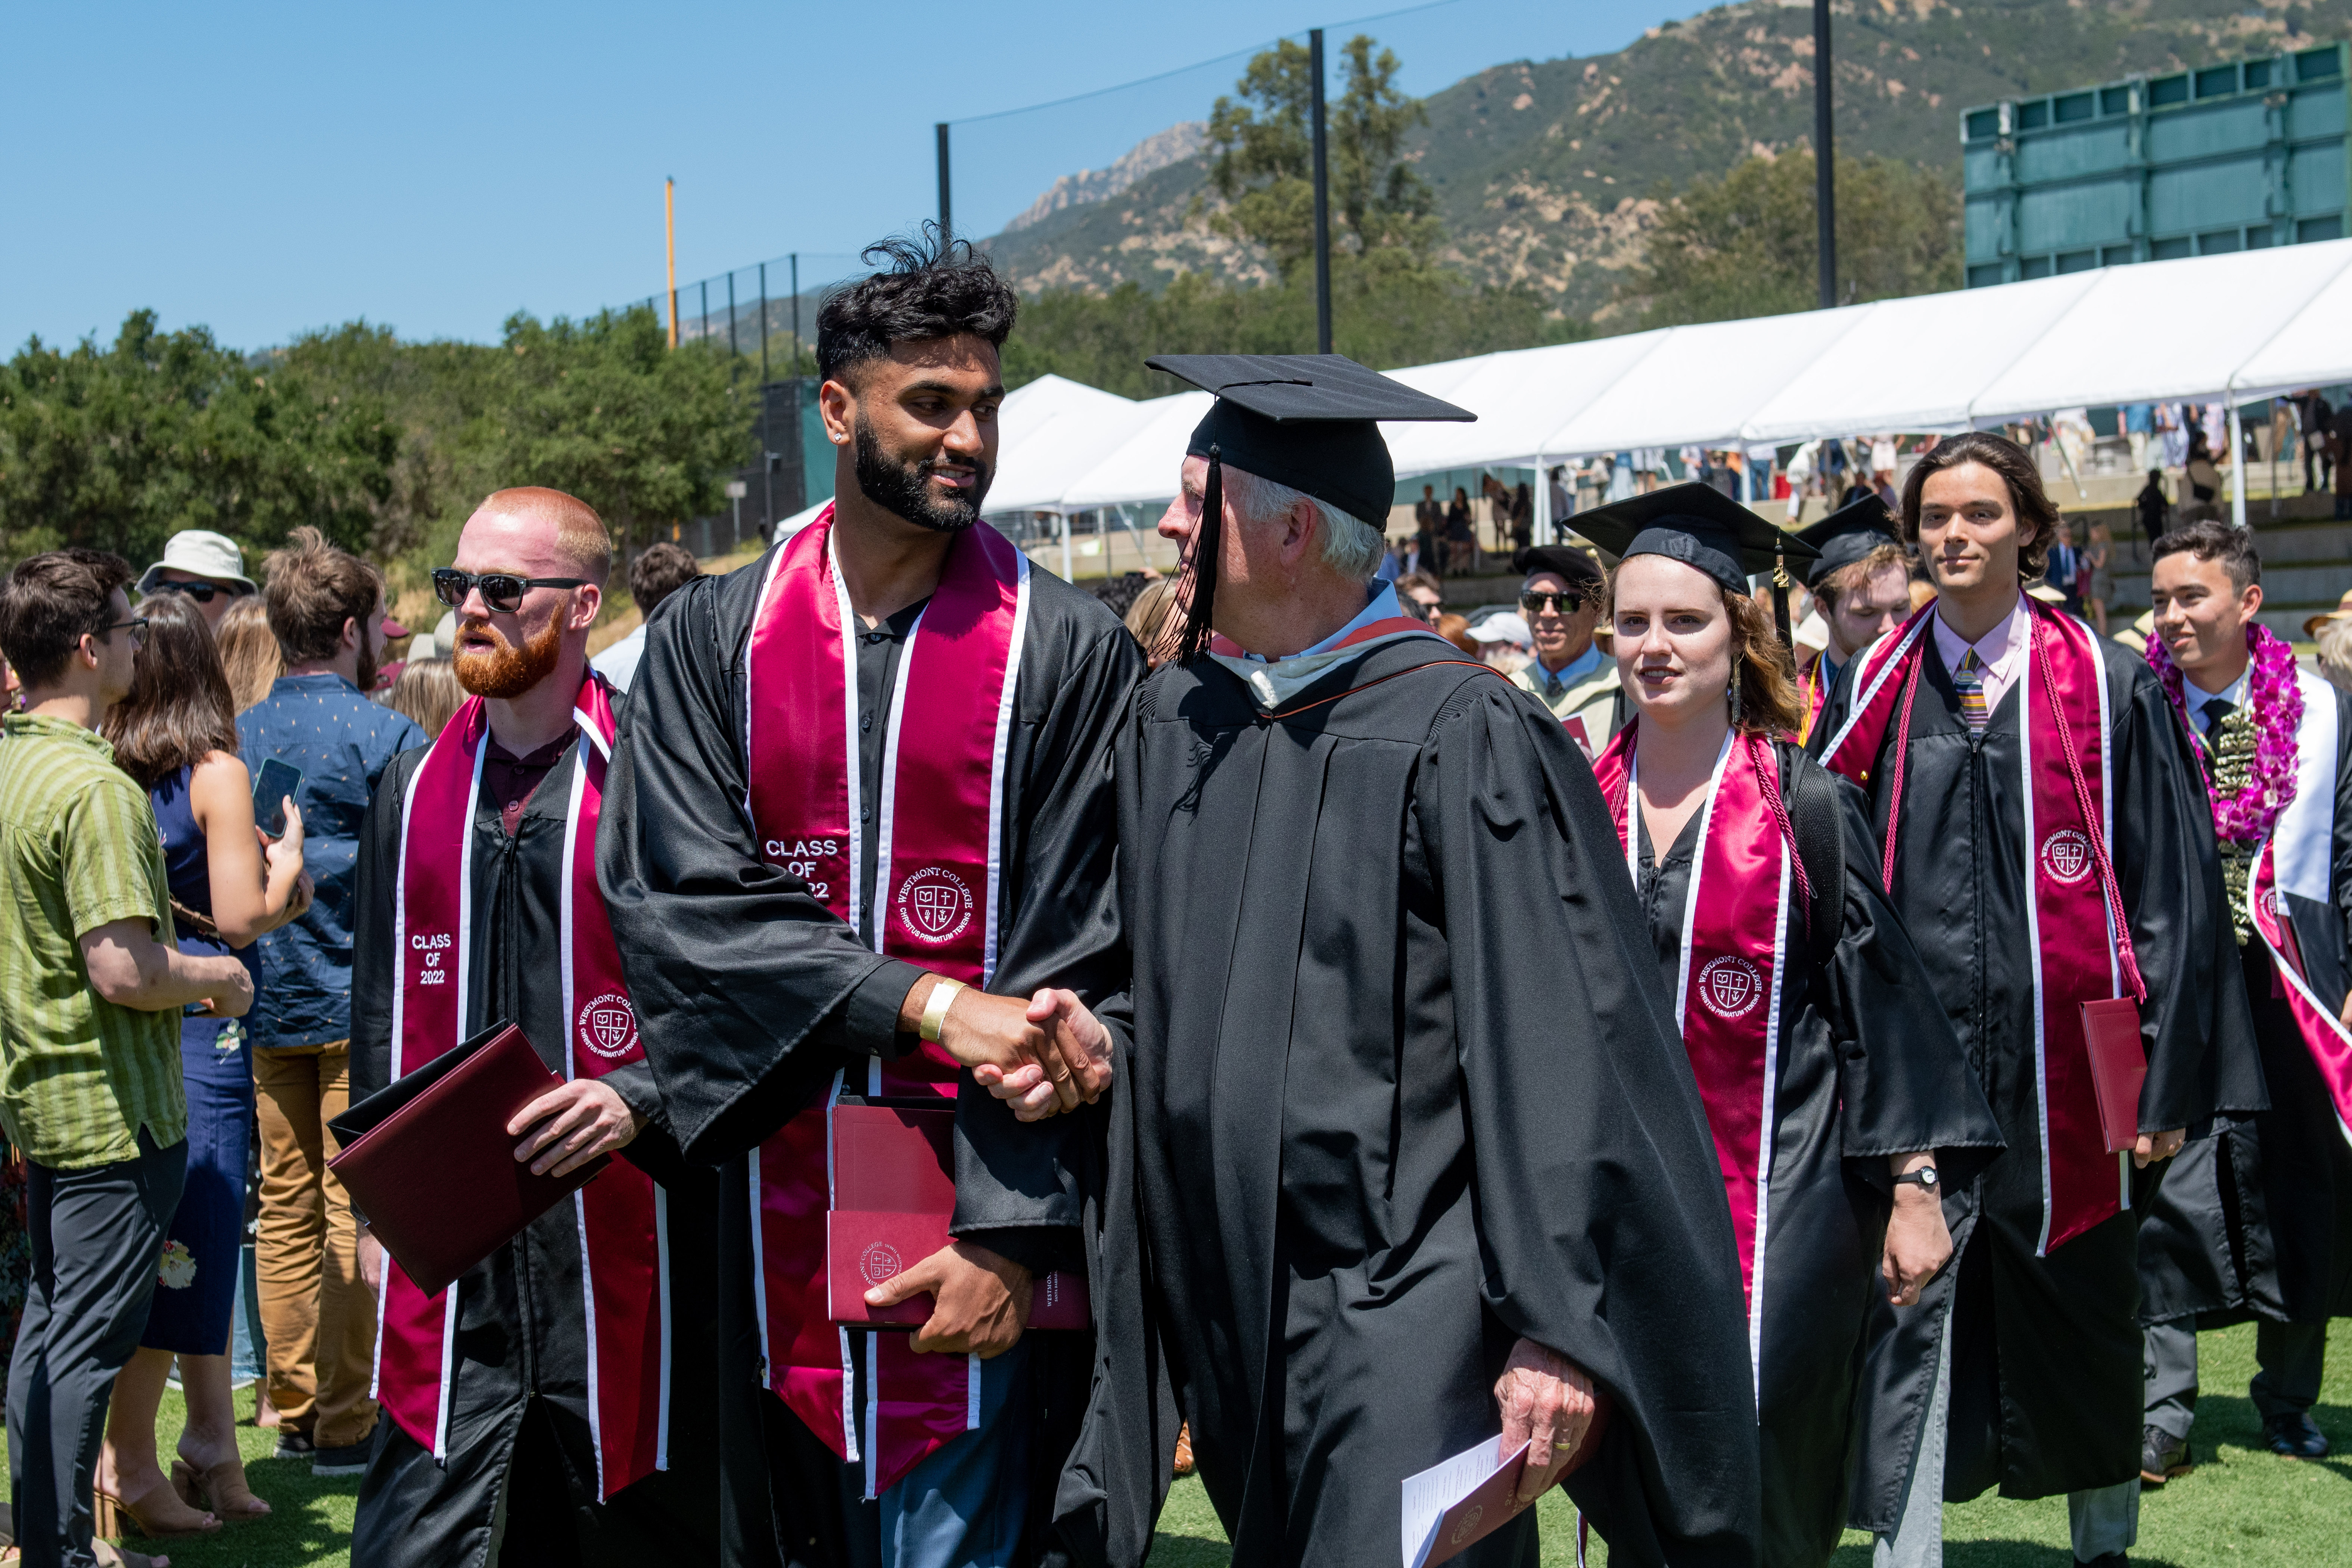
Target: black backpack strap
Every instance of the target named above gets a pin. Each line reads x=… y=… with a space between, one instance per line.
x=1821 y=846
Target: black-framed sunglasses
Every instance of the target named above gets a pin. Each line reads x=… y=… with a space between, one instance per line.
x=502 y=591
x=1565 y=603
x=137 y=626
x=201 y=593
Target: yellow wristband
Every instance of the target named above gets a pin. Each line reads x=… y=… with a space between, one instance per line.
x=935 y=1011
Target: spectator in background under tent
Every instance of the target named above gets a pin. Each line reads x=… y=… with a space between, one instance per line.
x=2340 y=449
x=1428 y=528
x=2139 y=423
x=2094 y=582
x=660 y=570
x=1523 y=516
x=2314 y=419
x=2152 y=508
x=1461 y=534
x=1563 y=503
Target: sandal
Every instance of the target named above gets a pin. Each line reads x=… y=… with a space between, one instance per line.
x=157 y=1514
x=220 y=1490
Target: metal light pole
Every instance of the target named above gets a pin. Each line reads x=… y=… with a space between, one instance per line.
x=947 y=221
x=1322 y=195
x=669 y=231
x=763 y=329
x=796 y=313
x=1824 y=155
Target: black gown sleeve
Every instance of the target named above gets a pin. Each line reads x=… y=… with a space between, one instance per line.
x=1601 y=1221
x=1904 y=1081
x=374 y=971
x=2201 y=1057
x=738 y=973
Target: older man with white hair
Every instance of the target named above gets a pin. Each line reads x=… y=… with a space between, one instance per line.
x=1398 y=1185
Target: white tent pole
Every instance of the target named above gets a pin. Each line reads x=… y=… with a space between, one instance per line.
x=1543 y=503
x=1066 y=547
x=2237 y=467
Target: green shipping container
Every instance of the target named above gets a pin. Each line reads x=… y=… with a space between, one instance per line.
x=2227 y=157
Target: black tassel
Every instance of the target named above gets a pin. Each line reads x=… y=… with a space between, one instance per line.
x=1208 y=548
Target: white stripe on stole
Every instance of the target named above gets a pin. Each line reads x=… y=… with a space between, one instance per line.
x=1001 y=750
x=2107 y=836
x=848 y=1369
x=2032 y=840
x=873 y=1409
x=1868 y=694
x=564 y=902
x=1768 y=1137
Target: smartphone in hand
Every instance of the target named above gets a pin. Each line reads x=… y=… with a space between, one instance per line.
x=272 y=785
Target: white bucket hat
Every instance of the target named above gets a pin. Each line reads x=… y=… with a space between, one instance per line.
x=200 y=552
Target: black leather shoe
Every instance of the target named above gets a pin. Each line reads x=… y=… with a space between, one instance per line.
x=2162 y=1457
x=2295 y=1436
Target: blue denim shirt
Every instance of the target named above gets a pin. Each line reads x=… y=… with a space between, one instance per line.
x=342 y=742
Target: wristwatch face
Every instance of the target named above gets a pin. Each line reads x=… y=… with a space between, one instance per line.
x=1925 y=1176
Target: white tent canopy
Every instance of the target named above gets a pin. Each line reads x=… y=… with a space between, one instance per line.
x=2237 y=326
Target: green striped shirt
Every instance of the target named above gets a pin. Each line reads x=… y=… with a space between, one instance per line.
x=79 y=1074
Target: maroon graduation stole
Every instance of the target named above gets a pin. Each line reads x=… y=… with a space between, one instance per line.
x=2075 y=922
x=937 y=869
x=623 y=1215
x=2298 y=858
x=1728 y=984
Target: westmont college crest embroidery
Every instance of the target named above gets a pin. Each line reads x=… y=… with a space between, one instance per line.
x=2067 y=854
x=935 y=905
x=1730 y=986
x=608 y=1026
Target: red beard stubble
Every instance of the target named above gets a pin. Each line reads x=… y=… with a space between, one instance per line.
x=509 y=671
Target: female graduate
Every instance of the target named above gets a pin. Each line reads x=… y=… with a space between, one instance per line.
x=1839 y=1098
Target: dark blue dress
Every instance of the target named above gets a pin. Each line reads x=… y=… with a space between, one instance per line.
x=196 y=1278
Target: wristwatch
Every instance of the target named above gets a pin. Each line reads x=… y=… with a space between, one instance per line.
x=1924 y=1178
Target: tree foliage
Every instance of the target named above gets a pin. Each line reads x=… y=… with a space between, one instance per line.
x=117 y=447
x=1264 y=165
x=386 y=446
x=1387 y=311
x=1746 y=244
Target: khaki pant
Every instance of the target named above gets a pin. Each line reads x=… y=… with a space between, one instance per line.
x=317 y=1314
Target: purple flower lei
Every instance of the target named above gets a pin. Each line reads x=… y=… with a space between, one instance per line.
x=2248 y=815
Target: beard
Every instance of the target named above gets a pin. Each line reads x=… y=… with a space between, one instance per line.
x=507 y=670
x=900 y=487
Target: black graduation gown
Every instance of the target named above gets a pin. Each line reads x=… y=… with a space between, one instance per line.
x=2046 y=1361
x=2255 y=1219
x=1868 y=1066
x=519 y=1387
x=751 y=994
x=1365 y=1142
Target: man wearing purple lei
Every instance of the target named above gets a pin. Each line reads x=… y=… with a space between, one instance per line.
x=2255 y=1221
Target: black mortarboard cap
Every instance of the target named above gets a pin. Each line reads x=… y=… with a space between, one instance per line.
x=1849 y=533
x=1696 y=524
x=1309 y=421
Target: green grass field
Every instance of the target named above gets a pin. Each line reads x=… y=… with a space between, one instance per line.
x=2242 y=1506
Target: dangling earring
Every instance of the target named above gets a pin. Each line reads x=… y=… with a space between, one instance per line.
x=1733 y=696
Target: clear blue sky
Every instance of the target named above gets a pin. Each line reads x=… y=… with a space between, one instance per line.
x=263 y=169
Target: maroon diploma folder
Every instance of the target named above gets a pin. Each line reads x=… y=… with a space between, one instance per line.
x=430 y=1162
x=893 y=1197
x=2118 y=1068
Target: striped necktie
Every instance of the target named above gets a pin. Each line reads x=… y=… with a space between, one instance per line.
x=1968 y=681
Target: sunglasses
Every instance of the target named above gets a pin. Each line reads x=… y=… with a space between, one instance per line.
x=201 y=593
x=501 y=591
x=138 y=628
x=1566 y=603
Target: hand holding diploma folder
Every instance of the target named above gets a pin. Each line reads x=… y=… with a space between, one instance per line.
x=428 y=1160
